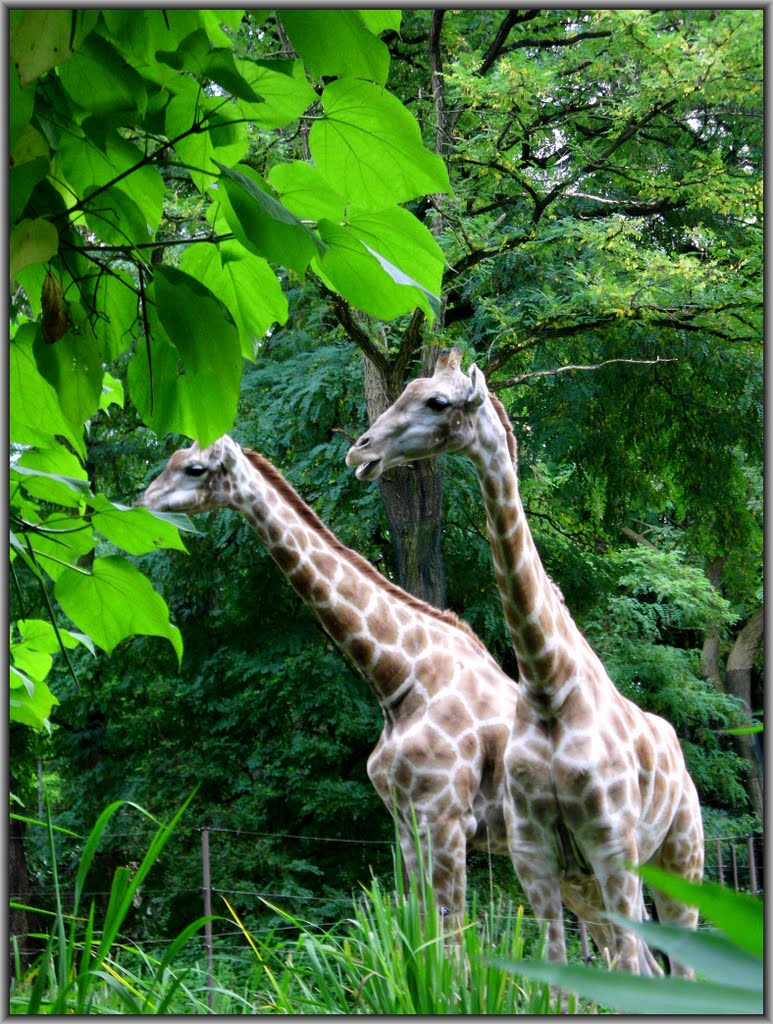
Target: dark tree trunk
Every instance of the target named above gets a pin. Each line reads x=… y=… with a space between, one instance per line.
x=21 y=923
x=738 y=682
x=413 y=500
x=710 y=668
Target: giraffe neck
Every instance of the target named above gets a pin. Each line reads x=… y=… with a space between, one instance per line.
x=379 y=628
x=544 y=636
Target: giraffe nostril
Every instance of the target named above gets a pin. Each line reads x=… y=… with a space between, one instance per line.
x=363 y=442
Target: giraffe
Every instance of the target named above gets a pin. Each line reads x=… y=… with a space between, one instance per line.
x=594 y=783
x=447 y=705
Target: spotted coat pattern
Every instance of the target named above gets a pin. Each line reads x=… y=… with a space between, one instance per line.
x=447 y=705
x=595 y=784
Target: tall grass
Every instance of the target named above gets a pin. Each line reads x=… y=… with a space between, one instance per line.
x=393 y=955
x=86 y=967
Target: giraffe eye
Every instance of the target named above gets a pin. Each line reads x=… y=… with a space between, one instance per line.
x=195 y=469
x=437 y=403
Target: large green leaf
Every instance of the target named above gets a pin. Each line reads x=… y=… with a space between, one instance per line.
x=116 y=219
x=73 y=366
x=284 y=88
x=30 y=701
x=139 y=34
x=101 y=82
x=115 y=296
x=41 y=40
x=196 y=55
x=628 y=993
x=262 y=223
x=52 y=474
x=356 y=273
x=369 y=147
x=396 y=235
x=711 y=954
x=739 y=915
x=32 y=241
x=197 y=148
x=98 y=157
x=21 y=102
x=379 y=21
x=337 y=43
x=135 y=530
x=305 y=192
x=35 y=413
x=245 y=283
x=115 y=601
x=198 y=397
x=59 y=541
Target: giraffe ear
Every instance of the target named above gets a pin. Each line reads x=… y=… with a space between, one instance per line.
x=478 y=390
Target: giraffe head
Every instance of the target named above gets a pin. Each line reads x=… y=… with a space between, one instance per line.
x=433 y=415
x=195 y=479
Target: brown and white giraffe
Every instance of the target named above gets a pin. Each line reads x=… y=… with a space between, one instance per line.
x=595 y=783
x=447 y=705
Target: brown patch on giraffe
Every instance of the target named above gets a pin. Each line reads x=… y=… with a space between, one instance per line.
x=439 y=667
x=392 y=669
x=340 y=622
x=617 y=794
x=326 y=564
x=452 y=717
x=274 y=531
x=320 y=591
x=645 y=753
x=355 y=590
x=381 y=623
x=415 y=640
x=361 y=650
x=287 y=558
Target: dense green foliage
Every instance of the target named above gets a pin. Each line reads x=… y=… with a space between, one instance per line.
x=201 y=203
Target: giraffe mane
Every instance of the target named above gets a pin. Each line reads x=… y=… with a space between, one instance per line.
x=355 y=559
x=505 y=420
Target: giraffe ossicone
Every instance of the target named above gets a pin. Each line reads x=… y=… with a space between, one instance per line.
x=447 y=705
x=594 y=783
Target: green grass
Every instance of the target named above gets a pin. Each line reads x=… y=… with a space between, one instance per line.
x=388 y=957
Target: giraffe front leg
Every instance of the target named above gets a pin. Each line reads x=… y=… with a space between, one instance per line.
x=442 y=857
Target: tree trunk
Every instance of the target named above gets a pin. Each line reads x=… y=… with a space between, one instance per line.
x=709 y=666
x=21 y=923
x=412 y=496
x=738 y=682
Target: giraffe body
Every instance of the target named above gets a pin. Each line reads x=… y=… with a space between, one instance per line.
x=594 y=783
x=447 y=705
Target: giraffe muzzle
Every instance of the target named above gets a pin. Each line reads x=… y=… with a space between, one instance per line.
x=369 y=470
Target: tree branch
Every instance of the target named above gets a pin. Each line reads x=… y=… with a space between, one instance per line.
x=346 y=318
x=509 y=382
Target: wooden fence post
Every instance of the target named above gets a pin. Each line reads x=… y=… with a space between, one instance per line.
x=720 y=865
x=734 y=862
x=752 y=867
x=208 y=914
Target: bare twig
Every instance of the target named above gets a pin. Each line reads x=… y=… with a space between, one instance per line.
x=510 y=382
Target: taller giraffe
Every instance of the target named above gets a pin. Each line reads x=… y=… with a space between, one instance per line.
x=447 y=705
x=595 y=783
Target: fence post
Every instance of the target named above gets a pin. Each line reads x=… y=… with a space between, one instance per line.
x=720 y=865
x=208 y=914
x=584 y=943
x=734 y=863
x=752 y=867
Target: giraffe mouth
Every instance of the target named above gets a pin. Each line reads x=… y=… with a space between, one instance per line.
x=369 y=470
